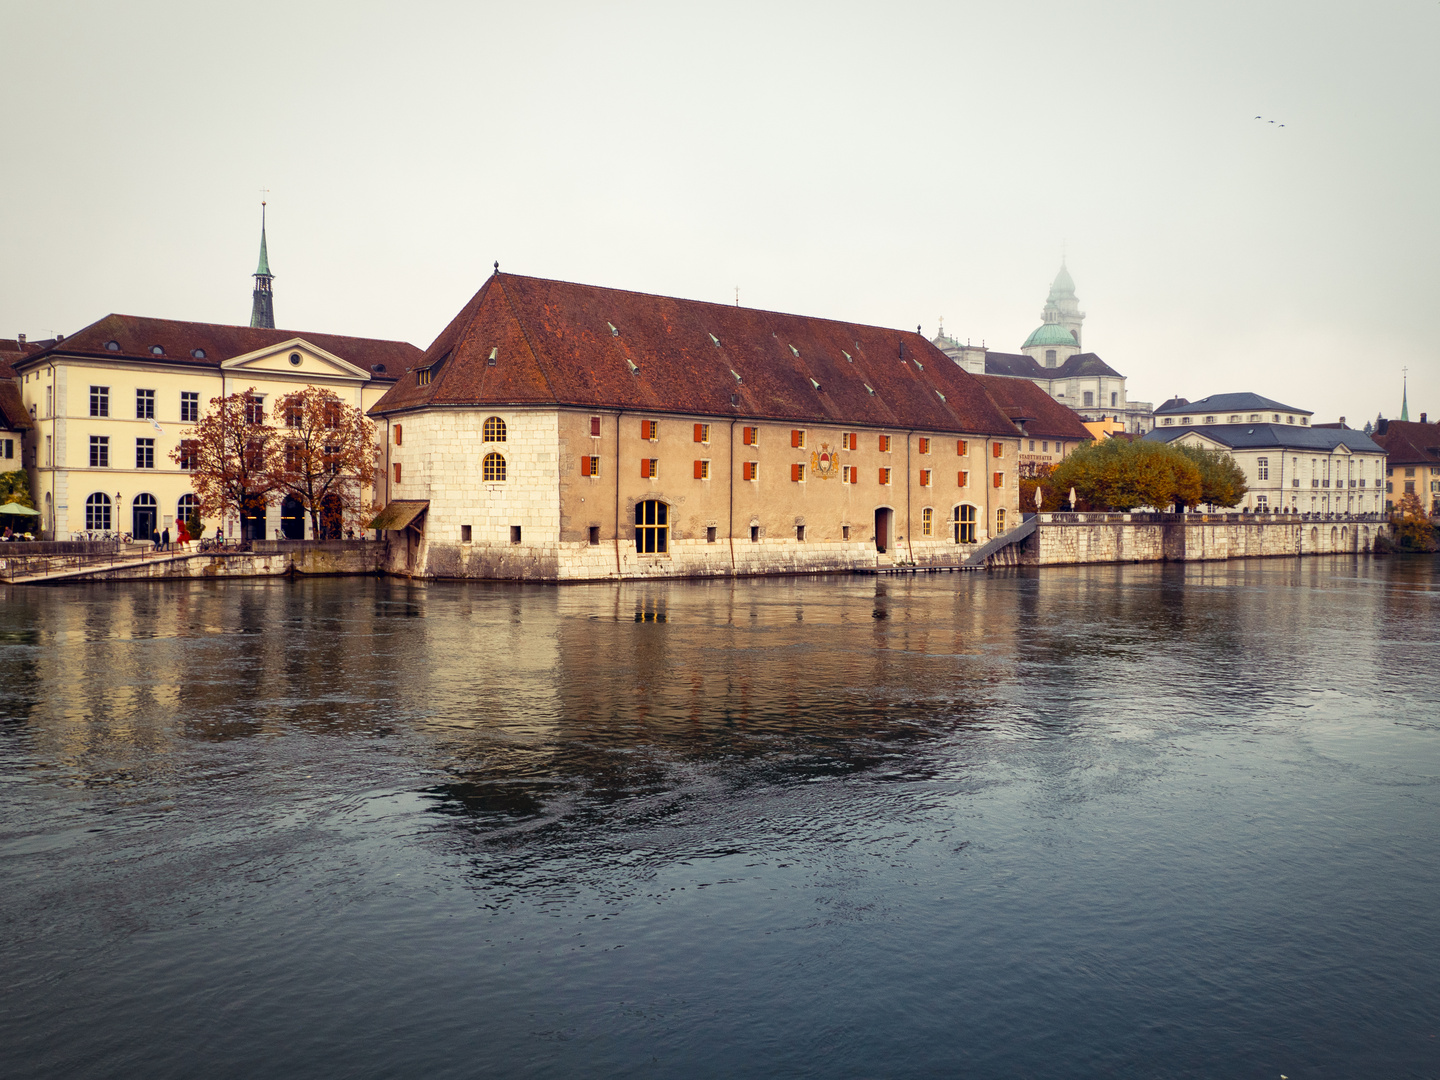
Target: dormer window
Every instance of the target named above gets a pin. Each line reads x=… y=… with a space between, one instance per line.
x=157 y=350
x=1184 y=420
x=1234 y=419
x=112 y=346
x=198 y=354
x=422 y=377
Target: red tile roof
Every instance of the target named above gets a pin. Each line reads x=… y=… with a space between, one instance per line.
x=13 y=416
x=554 y=345
x=1022 y=398
x=1407 y=442
x=136 y=335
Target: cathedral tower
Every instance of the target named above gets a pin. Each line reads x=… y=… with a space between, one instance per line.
x=1058 y=337
x=262 y=308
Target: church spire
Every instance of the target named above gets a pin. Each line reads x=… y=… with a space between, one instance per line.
x=1405 y=395
x=262 y=308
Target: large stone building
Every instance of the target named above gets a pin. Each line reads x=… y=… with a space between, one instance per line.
x=1412 y=450
x=1048 y=430
x=561 y=431
x=1289 y=465
x=1052 y=357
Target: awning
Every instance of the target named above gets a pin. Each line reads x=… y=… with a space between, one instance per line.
x=15 y=508
x=399 y=514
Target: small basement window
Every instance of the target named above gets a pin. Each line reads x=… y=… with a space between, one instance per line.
x=594 y=535
x=754 y=534
x=465 y=534
x=710 y=534
x=515 y=534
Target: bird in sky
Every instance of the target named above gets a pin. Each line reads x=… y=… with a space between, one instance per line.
x=1272 y=121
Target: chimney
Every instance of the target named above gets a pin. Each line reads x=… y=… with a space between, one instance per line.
x=21 y=338
x=1422 y=418
x=59 y=338
x=1342 y=421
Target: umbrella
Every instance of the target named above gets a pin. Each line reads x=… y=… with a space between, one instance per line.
x=1072 y=498
x=16 y=508
x=1039 y=498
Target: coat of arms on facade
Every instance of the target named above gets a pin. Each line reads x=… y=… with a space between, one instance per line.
x=825 y=462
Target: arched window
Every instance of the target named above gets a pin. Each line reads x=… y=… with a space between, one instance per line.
x=188 y=507
x=97 y=511
x=962 y=523
x=494 y=430
x=652 y=527
x=492 y=470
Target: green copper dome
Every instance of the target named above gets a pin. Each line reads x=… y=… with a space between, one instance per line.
x=1050 y=334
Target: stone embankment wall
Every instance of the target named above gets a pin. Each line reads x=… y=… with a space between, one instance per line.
x=1107 y=538
x=269 y=559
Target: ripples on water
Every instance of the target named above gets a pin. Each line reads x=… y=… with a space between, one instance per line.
x=1135 y=821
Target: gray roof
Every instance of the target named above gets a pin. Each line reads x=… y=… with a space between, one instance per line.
x=1261 y=436
x=1020 y=366
x=1227 y=403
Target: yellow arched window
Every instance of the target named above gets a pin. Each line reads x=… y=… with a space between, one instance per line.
x=494 y=431
x=963 y=524
x=652 y=527
x=492 y=470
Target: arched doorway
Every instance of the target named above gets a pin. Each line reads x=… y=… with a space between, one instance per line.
x=884 y=523
x=292 y=519
x=252 y=521
x=144 y=516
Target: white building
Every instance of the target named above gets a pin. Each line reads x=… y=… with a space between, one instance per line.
x=1289 y=464
x=1052 y=358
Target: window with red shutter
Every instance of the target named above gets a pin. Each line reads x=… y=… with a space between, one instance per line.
x=699 y=470
x=884 y=444
x=398 y=432
x=748 y=436
x=794 y=437
x=999 y=479
x=962 y=447
x=795 y=468
x=924 y=445
x=397 y=472
x=999 y=449
x=962 y=479
x=594 y=427
x=924 y=477
x=884 y=476
x=698 y=429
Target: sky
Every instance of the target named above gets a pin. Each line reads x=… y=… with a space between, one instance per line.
x=891 y=164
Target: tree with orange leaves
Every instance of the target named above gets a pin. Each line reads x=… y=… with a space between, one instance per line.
x=230 y=453
x=326 y=457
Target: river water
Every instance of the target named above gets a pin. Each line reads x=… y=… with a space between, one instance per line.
x=1150 y=821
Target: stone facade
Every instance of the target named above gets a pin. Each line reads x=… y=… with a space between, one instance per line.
x=775 y=505
x=1065 y=539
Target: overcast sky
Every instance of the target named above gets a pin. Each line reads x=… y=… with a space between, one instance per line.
x=883 y=163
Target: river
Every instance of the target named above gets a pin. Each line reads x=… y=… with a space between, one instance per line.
x=1154 y=821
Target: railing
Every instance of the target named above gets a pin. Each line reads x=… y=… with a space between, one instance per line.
x=13 y=548
x=1201 y=518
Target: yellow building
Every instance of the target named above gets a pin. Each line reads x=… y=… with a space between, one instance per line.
x=109 y=404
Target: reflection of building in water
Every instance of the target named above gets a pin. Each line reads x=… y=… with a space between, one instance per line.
x=561 y=431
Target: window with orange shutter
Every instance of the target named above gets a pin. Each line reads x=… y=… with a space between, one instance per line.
x=797 y=438
x=397 y=472
x=749 y=469
x=924 y=477
x=924 y=445
x=884 y=444
x=702 y=470
x=999 y=449
x=999 y=480
x=747 y=436
x=884 y=476
x=962 y=447
x=962 y=478
x=398 y=433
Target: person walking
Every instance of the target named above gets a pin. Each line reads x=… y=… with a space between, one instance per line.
x=165 y=539
x=182 y=534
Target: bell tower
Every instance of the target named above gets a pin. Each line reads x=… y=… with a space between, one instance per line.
x=262 y=307
x=1062 y=308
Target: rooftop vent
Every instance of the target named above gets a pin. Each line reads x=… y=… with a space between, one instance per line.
x=869 y=389
x=848 y=357
x=919 y=365
x=736 y=374
x=157 y=350
x=715 y=339
x=633 y=369
x=815 y=384
x=198 y=354
x=494 y=355
x=939 y=395
x=613 y=331
x=794 y=350
x=113 y=346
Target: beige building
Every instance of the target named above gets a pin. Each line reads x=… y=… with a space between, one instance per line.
x=110 y=403
x=557 y=431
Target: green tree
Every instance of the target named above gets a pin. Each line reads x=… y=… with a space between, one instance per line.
x=1120 y=475
x=15 y=487
x=1222 y=481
